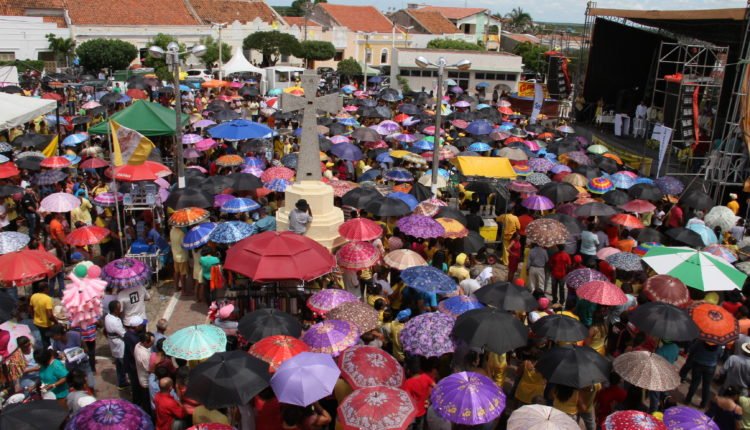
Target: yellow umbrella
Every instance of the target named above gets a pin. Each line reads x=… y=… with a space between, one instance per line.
x=453 y=228
x=399 y=153
x=298 y=91
x=576 y=179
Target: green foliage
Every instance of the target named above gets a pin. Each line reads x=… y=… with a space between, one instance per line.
x=271 y=44
x=349 y=67
x=61 y=47
x=533 y=56
x=404 y=84
x=212 y=51
x=455 y=45
x=297 y=8
x=22 y=66
x=519 y=21
x=97 y=54
x=315 y=50
x=160 y=64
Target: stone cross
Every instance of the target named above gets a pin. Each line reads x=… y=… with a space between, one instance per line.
x=308 y=162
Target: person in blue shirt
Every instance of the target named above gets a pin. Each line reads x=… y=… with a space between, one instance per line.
x=702 y=359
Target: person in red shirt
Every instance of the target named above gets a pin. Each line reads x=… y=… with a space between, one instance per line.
x=607 y=398
x=524 y=219
x=674 y=217
x=267 y=410
x=514 y=255
x=419 y=386
x=166 y=409
x=560 y=265
x=607 y=270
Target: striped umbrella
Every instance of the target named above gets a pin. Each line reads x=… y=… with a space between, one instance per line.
x=699 y=270
x=600 y=185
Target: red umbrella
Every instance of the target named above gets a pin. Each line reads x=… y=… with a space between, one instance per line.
x=632 y=420
x=638 y=206
x=8 y=170
x=52 y=96
x=278 y=172
x=148 y=171
x=382 y=408
x=357 y=255
x=135 y=93
x=26 y=266
x=626 y=220
x=401 y=117
x=360 y=229
x=93 y=163
x=88 y=235
x=274 y=256
x=459 y=123
x=505 y=110
x=366 y=366
x=56 y=162
x=602 y=292
x=275 y=350
x=667 y=289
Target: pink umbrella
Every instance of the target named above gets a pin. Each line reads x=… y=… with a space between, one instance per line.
x=538 y=203
x=205 y=144
x=16 y=330
x=198 y=168
x=59 y=202
x=82 y=299
x=191 y=153
x=602 y=293
x=338 y=139
x=190 y=139
x=162 y=183
x=605 y=252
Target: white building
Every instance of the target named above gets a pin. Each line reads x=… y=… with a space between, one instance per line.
x=25 y=37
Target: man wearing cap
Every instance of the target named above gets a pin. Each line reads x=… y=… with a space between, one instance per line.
x=300 y=217
x=733 y=204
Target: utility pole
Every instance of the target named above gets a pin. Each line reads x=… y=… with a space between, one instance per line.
x=307 y=7
x=220 y=26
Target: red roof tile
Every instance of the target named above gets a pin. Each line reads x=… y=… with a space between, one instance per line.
x=454 y=12
x=129 y=12
x=233 y=10
x=358 y=18
x=299 y=21
x=35 y=8
x=432 y=21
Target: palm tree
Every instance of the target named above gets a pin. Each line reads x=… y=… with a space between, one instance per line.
x=518 y=20
x=61 y=48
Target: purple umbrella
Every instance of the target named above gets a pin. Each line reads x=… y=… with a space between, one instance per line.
x=110 y=414
x=522 y=187
x=189 y=139
x=107 y=199
x=126 y=273
x=579 y=157
x=305 y=378
x=389 y=126
x=406 y=138
x=541 y=165
x=325 y=300
x=428 y=335
x=220 y=199
x=420 y=226
x=347 y=151
x=331 y=336
x=559 y=168
x=467 y=398
x=203 y=123
x=683 y=417
x=579 y=277
x=670 y=185
x=538 y=203
x=339 y=139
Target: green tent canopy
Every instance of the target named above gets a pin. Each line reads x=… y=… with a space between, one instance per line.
x=149 y=119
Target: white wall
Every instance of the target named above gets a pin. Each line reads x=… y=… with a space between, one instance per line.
x=25 y=36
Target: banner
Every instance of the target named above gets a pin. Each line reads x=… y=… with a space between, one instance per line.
x=538 y=102
x=528 y=89
x=663 y=135
x=696 y=114
x=129 y=146
x=51 y=149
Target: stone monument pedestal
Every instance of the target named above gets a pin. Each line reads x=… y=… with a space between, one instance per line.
x=327 y=218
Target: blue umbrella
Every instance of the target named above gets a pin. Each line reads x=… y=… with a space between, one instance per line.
x=347 y=151
x=423 y=145
x=375 y=80
x=184 y=87
x=708 y=235
x=481 y=106
x=255 y=162
x=74 y=159
x=274 y=92
x=479 y=127
x=399 y=174
x=351 y=122
x=479 y=147
x=240 y=129
x=442 y=172
x=457 y=305
x=198 y=235
x=622 y=181
x=5 y=147
x=124 y=99
x=406 y=198
x=52 y=119
x=290 y=160
x=75 y=139
x=231 y=232
x=240 y=205
x=643 y=180
x=483 y=85
x=278 y=185
x=3 y=159
x=348 y=89
x=369 y=175
x=384 y=157
x=428 y=279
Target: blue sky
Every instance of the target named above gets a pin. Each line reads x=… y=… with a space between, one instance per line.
x=548 y=10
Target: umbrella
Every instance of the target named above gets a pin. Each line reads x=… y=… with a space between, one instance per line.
x=602 y=292
x=664 y=321
x=599 y=185
x=59 y=202
x=696 y=269
x=359 y=197
x=560 y=328
x=305 y=378
x=667 y=289
x=522 y=187
x=126 y=273
x=227 y=379
x=715 y=323
x=547 y=232
x=196 y=342
x=231 y=232
x=450 y=212
x=479 y=328
x=34 y=415
x=331 y=337
x=12 y=241
x=721 y=251
x=595 y=209
x=240 y=205
x=559 y=192
x=428 y=279
x=573 y=366
x=686 y=236
x=26 y=266
x=360 y=229
x=398 y=174
x=578 y=277
x=376 y=408
x=245 y=181
x=188 y=216
x=471 y=244
x=240 y=129
x=109 y=414
x=538 y=203
x=696 y=199
x=277 y=172
x=148 y=171
x=364 y=134
x=263 y=323
x=507 y=297
x=670 y=185
x=276 y=349
x=648 y=235
x=722 y=217
x=108 y=199
x=428 y=335
x=625 y=261
x=420 y=226
x=457 y=305
x=55 y=162
x=198 y=236
x=467 y=398
x=708 y=237
x=645 y=192
x=626 y=220
x=367 y=366
x=385 y=207
x=684 y=417
x=622 y=181
x=479 y=127
x=616 y=198
x=324 y=300
x=87 y=235
x=625 y=420
x=410 y=200
x=401 y=259
x=364 y=316
x=540 y=417
x=347 y=151
x=638 y=206
x=647 y=370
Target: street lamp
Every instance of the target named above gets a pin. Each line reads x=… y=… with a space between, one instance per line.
x=172 y=55
x=441 y=65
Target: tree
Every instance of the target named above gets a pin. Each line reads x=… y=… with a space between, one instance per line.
x=62 y=48
x=315 y=50
x=518 y=20
x=533 y=56
x=160 y=64
x=271 y=44
x=349 y=68
x=212 y=51
x=456 y=45
x=98 y=54
x=297 y=7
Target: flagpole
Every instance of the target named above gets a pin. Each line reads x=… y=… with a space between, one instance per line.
x=116 y=190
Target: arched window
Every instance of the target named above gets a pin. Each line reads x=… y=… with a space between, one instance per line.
x=384 y=56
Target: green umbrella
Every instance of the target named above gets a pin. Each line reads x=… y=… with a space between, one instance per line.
x=597 y=149
x=196 y=342
x=694 y=268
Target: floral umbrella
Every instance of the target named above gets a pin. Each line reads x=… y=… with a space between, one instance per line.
x=715 y=323
x=683 y=417
x=632 y=420
x=578 y=277
x=667 y=289
x=196 y=342
x=275 y=350
x=467 y=398
x=325 y=300
x=12 y=241
x=453 y=228
x=188 y=216
x=547 y=232
x=377 y=408
x=366 y=366
x=428 y=335
x=331 y=336
x=357 y=255
x=232 y=231
x=420 y=226
x=110 y=414
x=364 y=316
x=126 y=273
x=602 y=293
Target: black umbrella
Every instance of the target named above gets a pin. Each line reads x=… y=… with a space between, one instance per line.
x=227 y=379
x=290 y=160
x=562 y=147
x=647 y=235
x=686 y=236
x=9 y=190
x=368 y=102
x=573 y=224
x=11 y=89
x=81 y=120
x=225 y=115
x=590 y=172
x=36 y=415
x=383 y=112
x=420 y=192
x=471 y=244
x=573 y=366
x=559 y=192
x=245 y=182
x=189 y=197
x=33 y=140
x=607 y=164
x=697 y=199
x=507 y=297
x=491 y=329
x=645 y=192
x=408 y=109
x=389 y=95
x=616 y=197
x=268 y=322
x=664 y=321
x=248 y=92
x=217 y=105
x=324 y=144
x=368 y=112
x=451 y=212
x=560 y=328
x=595 y=209
x=254 y=145
x=109 y=99
x=422 y=98
x=365 y=134
x=30 y=163
x=463 y=142
x=360 y=197
x=97 y=110
x=387 y=207
x=336 y=128
x=216 y=184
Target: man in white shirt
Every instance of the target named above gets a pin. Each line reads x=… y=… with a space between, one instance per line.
x=134 y=302
x=142 y=354
x=639 y=123
x=115 y=332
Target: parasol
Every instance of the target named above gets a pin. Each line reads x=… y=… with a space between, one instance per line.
x=331 y=336
x=367 y=366
x=647 y=370
x=428 y=335
x=305 y=378
x=364 y=316
x=126 y=273
x=276 y=349
x=467 y=398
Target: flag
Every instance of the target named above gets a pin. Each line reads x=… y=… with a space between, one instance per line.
x=538 y=102
x=129 y=146
x=51 y=149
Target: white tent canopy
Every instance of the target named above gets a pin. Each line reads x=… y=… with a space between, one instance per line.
x=17 y=110
x=239 y=63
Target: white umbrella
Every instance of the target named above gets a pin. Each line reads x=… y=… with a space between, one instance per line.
x=721 y=216
x=694 y=268
x=59 y=202
x=539 y=417
x=426 y=180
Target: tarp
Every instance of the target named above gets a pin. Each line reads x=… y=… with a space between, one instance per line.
x=149 y=119
x=239 y=63
x=17 y=110
x=488 y=167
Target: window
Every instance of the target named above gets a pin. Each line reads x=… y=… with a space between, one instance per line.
x=384 y=56
x=480 y=75
x=7 y=56
x=339 y=56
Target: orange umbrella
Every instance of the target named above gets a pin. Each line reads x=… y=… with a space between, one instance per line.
x=453 y=228
x=277 y=349
x=188 y=216
x=617 y=159
x=230 y=160
x=626 y=220
x=716 y=324
x=215 y=83
x=403 y=188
